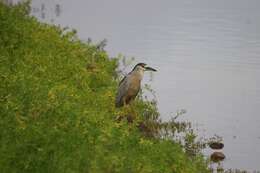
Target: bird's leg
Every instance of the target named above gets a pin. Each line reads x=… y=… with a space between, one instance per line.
x=126 y=107
x=124 y=102
x=128 y=111
x=131 y=112
x=125 y=111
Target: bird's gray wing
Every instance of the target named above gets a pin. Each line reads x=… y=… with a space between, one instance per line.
x=122 y=90
x=122 y=80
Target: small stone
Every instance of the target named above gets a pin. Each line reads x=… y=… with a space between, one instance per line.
x=216 y=145
x=217 y=156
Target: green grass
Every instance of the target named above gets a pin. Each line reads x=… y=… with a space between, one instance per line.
x=57 y=110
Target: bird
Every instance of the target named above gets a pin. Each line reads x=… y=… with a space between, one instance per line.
x=130 y=85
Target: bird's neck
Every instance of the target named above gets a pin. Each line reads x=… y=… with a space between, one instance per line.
x=138 y=74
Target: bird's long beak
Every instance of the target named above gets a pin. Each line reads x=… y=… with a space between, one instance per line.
x=150 y=69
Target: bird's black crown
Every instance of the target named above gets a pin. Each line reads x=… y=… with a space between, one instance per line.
x=140 y=64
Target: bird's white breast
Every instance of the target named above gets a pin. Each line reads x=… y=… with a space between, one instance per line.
x=139 y=74
x=135 y=80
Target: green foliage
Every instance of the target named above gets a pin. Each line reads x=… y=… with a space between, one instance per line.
x=57 y=107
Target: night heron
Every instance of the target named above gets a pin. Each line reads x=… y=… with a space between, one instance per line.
x=129 y=86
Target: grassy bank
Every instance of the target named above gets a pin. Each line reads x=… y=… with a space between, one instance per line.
x=57 y=107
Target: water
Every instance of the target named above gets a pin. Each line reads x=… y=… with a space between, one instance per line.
x=207 y=54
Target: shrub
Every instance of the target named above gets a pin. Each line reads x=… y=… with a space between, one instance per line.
x=57 y=107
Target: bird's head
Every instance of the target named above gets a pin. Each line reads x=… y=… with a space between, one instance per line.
x=143 y=67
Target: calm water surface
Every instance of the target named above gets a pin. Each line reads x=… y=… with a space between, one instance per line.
x=207 y=54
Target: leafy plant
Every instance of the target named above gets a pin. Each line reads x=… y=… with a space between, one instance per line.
x=57 y=107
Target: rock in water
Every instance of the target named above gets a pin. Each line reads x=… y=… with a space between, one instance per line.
x=216 y=145
x=217 y=156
